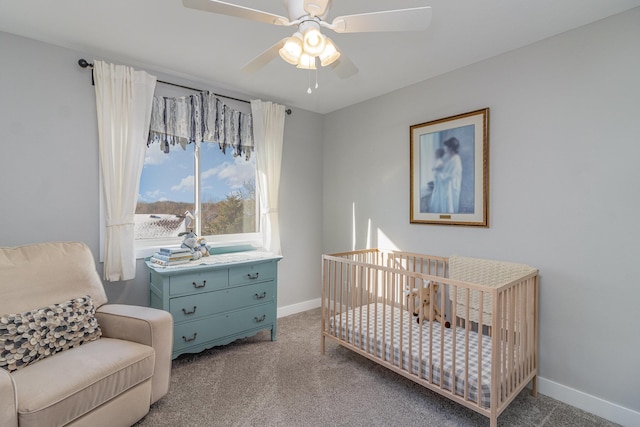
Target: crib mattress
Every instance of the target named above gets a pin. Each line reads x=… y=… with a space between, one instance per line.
x=369 y=324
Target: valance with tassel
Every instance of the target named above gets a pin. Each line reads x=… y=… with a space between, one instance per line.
x=201 y=117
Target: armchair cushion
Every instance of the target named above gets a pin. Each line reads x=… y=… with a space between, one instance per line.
x=64 y=387
x=33 y=335
x=41 y=274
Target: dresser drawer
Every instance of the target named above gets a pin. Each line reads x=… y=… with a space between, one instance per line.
x=194 y=333
x=252 y=273
x=198 y=282
x=245 y=296
x=192 y=307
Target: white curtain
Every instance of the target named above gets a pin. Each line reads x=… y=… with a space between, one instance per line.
x=123 y=99
x=268 y=135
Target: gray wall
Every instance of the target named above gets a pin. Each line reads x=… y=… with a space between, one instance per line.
x=48 y=156
x=49 y=177
x=564 y=177
x=563 y=181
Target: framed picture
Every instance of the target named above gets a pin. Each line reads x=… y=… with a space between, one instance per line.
x=450 y=170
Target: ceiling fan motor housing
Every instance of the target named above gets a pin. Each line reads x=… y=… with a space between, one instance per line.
x=300 y=8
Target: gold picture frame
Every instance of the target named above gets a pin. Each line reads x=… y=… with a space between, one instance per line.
x=449 y=170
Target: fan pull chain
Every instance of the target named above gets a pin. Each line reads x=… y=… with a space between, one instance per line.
x=309 y=91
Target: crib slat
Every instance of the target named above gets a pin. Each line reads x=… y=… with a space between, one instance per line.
x=511 y=319
x=430 y=326
x=421 y=346
x=516 y=337
x=454 y=323
x=384 y=316
x=347 y=298
x=323 y=323
x=533 y=364
x=340 y=290
x=534 y=331
x=503 y=350
x=412 y=344
x=432 y=315
x=360 y=283
x=367 y=302
x=496 y=325
x=392 y=330
x=398 y=286
x=480 y=327
x=520 y=325
x=467 y=326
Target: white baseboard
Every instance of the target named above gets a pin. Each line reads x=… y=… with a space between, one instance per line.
x=594 y=405
x=298 y=308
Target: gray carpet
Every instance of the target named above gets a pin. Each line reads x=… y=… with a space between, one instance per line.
x=256 y=382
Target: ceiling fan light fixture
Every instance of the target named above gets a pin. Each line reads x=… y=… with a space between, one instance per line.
x=307 y=62
x=292 y=49
x=314 y=42
x=329 y=54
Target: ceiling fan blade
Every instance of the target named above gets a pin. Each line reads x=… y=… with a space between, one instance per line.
x=229 y=9
x=343 y=67
x=264 y=58
x=414 y=19
x=317 y=7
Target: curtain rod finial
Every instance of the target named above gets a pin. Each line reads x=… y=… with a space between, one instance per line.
x=84 y=64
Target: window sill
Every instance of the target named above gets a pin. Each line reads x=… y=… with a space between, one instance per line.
x=217 y=244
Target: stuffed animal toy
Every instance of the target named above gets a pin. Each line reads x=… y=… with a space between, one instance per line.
x=202 y=246
x=190 y=242
x=423 y=297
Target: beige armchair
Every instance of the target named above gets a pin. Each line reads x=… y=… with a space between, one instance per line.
x=69 y=358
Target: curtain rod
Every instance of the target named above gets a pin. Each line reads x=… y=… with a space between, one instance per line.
x=84 y=64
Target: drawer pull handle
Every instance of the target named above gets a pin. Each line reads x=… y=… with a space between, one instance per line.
x=190 y=339
x=260 y=319
x=204 y=283
x=184 y=310
x=261 y=296
x=253 y=277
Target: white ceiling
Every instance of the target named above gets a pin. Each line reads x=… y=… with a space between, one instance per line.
x=212 y=48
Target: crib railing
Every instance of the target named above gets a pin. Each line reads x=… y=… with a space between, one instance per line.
x=364 y=302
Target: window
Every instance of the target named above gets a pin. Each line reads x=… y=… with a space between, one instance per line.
x=218 y=188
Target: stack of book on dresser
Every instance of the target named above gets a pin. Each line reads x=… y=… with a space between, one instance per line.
x=171 y=256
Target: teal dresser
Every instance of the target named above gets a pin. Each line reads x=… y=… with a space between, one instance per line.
x=217 y=299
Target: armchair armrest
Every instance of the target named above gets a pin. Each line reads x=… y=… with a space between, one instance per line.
x=8 y=400
x=143 y=325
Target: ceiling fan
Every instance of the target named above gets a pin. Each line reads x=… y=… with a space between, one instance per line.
x=308 y=46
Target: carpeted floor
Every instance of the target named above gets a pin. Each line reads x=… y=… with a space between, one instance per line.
x=256 y=382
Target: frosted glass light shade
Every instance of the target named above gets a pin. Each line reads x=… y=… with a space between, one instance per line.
x=330 y=54
x=307 y=62
x=314 y=42
x=292 y=49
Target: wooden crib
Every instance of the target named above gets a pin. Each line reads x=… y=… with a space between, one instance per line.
x=489 y=309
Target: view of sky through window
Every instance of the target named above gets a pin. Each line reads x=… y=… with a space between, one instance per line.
x=170 y=176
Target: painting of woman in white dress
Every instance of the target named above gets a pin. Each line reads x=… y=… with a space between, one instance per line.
x=448 y=172
x=448 y=179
